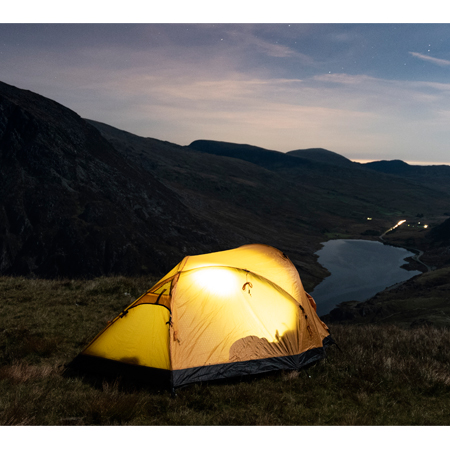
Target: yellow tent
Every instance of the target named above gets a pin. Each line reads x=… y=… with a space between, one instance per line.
x=225 y=314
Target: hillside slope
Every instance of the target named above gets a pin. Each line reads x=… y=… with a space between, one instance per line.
x=252 y=194
x=71 y=205
x=244 y=202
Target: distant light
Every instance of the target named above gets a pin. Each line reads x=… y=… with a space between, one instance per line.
x=369 y=218
x=395 y=226
x=425 y=226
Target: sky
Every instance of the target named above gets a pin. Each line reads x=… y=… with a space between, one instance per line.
x=368 y=91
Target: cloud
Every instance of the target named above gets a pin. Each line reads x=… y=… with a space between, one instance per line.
x=250 y=39
x=439 y=62
x=343 y=78
x=237 y=83
x=181 y=102
x=270 y=49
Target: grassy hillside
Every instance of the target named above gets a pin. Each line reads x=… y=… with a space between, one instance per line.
x=385 y=375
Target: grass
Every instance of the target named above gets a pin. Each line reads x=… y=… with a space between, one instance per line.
x=385 y=374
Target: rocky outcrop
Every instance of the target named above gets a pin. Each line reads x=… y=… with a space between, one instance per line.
x=71 y=205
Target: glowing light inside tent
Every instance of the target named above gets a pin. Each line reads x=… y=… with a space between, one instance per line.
x=226 y=321
x=216 y=280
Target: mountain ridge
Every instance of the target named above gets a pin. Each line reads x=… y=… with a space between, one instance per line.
x=70 y=205
x=322 y=155
x=257 y=155
x=82 y=198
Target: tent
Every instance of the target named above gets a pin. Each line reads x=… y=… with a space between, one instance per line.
x=214 y=316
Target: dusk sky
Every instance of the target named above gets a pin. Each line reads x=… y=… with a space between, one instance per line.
x=368 y=92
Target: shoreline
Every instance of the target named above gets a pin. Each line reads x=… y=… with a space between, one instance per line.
x=411 y=263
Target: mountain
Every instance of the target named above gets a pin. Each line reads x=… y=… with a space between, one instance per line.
x=269 y=159
x=71 y=205
x=323 y=156
x=435 y=176
x=395 y=167
x=337 y=192
x=80 y=198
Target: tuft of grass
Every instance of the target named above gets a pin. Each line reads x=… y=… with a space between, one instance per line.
x=384 y=375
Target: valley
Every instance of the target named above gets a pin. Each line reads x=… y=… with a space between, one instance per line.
x=80 y=198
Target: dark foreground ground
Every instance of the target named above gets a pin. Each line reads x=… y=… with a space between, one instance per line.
x=384 y=375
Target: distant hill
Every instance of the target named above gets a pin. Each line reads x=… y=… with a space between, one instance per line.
x=336 y=186
x=270 y=159
x=323 y=156
x=396 y=167
x=437 y=177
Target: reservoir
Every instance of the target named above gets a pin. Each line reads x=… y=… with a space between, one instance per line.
x=359 y=269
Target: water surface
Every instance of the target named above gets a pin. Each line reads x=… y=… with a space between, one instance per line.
x=359 y=269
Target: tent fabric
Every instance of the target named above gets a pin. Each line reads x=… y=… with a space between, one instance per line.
x=219 y=315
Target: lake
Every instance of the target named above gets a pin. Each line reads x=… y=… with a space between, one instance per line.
x=359 y=269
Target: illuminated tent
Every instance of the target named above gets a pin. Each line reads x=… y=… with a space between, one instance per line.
x=214 y=316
